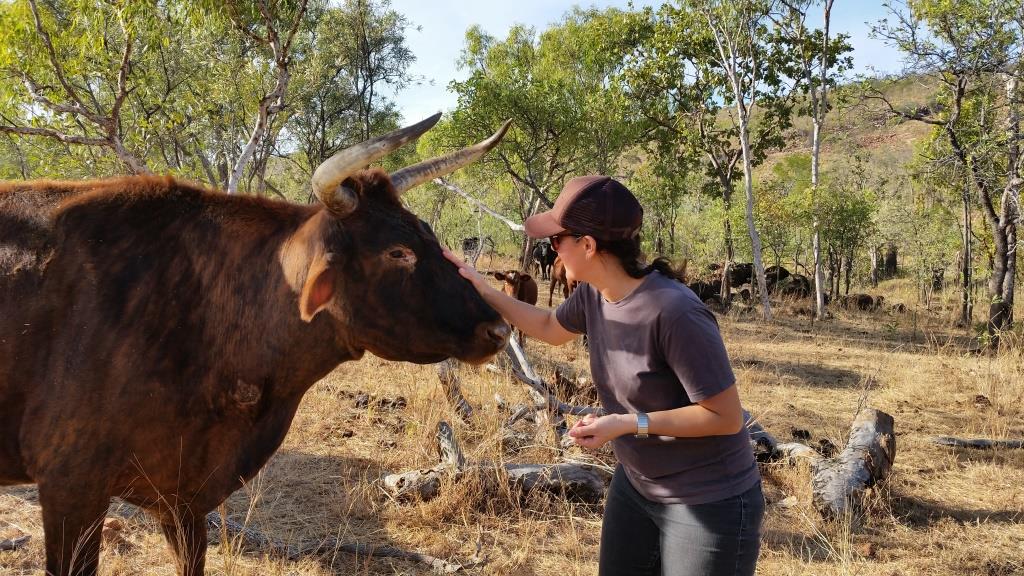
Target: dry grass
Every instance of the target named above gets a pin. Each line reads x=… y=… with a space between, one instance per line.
x=944 y=511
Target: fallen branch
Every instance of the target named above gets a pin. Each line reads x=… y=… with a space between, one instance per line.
x=516 y=412
x=541 y=403
x=838 y=482
x=579 y=481
x=14 y=543
x=449 y=377
x=979 y=443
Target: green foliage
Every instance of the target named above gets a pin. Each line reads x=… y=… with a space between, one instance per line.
x=194 y=74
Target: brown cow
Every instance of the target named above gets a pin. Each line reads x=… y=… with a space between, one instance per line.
x=560 y=277
x=156 y=338
x=520 y=286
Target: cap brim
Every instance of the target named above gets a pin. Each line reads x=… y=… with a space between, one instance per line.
x=542 y=225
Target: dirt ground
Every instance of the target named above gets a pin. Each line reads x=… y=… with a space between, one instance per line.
x=942 y=511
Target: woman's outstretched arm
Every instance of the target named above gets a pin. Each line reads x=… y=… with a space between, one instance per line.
x=536 y=322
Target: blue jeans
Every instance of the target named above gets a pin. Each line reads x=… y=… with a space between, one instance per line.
x=640 y=537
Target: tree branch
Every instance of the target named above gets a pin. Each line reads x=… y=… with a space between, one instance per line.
x=513 y=225
x=50 y=133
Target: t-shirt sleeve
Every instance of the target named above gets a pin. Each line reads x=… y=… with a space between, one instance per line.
x=692 y=346
x=572 y=313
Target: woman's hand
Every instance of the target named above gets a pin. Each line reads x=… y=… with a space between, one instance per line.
x=467 y=272
x=593 y=431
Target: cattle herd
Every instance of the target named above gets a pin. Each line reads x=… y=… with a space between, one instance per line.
x=780 y=282
x=740 y=278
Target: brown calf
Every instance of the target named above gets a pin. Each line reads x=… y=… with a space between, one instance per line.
x=520 y=286
x=560 y=277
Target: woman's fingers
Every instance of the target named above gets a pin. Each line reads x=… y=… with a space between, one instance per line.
x=465 y=270
x=452 y=257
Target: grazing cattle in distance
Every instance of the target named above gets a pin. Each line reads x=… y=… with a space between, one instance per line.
x=705 y=291
x=156 y=337
x=741 y=273
x=520 y=286
x=473 y=248
x=773 y=275
x=796 y=285
x=861 y=302
x=560 y=278
x=544 y=256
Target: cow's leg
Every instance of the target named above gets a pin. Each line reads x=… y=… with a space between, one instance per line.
x=185 y=531
x=72 y=523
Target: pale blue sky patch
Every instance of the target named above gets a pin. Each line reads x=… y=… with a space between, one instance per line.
x=443 y=23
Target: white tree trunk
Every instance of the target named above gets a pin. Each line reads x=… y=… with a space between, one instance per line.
x=755 y=238
x=270 y=104
x=819 y=279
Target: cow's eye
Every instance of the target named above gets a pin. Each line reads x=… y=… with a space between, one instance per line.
x=397 y=254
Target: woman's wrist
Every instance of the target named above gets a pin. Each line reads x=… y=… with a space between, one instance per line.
x=626 y=424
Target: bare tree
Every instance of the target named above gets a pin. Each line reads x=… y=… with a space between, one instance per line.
x=266 y=30
x=734 y=30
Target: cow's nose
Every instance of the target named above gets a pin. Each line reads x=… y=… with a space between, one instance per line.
x=498 y=333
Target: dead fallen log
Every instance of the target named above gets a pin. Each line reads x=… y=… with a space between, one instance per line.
x=837 y=483
x=447 y=373
x=978 y=443
x=12 y=544
x=425 y=483
x=577 y=481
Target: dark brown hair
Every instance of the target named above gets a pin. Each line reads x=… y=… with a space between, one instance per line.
x=629 y=255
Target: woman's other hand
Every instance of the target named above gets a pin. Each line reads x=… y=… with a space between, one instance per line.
x=596 y=431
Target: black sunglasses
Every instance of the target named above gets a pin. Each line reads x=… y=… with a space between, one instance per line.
x=557 y=238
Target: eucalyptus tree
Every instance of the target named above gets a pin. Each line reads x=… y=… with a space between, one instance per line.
x=132 y=86
x=819 y=58
x=558 y=89
x=352 y=56
x=68 y=69
x=717 y=81
x=271 y=25
x=972 y=49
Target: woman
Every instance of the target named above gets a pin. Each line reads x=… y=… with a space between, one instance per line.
x=686 y=497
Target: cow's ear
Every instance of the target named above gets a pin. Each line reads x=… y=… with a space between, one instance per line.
x=309 y=267
x=318 y=289
x=499 y=276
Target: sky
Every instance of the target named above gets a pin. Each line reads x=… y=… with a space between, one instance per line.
x=442 y=25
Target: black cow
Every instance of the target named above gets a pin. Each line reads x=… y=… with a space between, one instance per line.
x=473 y=248
x=544 y=257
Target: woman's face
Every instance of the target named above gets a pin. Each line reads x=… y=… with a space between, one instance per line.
x=572 y=249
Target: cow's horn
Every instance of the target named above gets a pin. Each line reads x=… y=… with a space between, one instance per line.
x=332 y=172
x=412 y=176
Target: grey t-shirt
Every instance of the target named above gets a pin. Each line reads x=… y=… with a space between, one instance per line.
x=657 y=349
